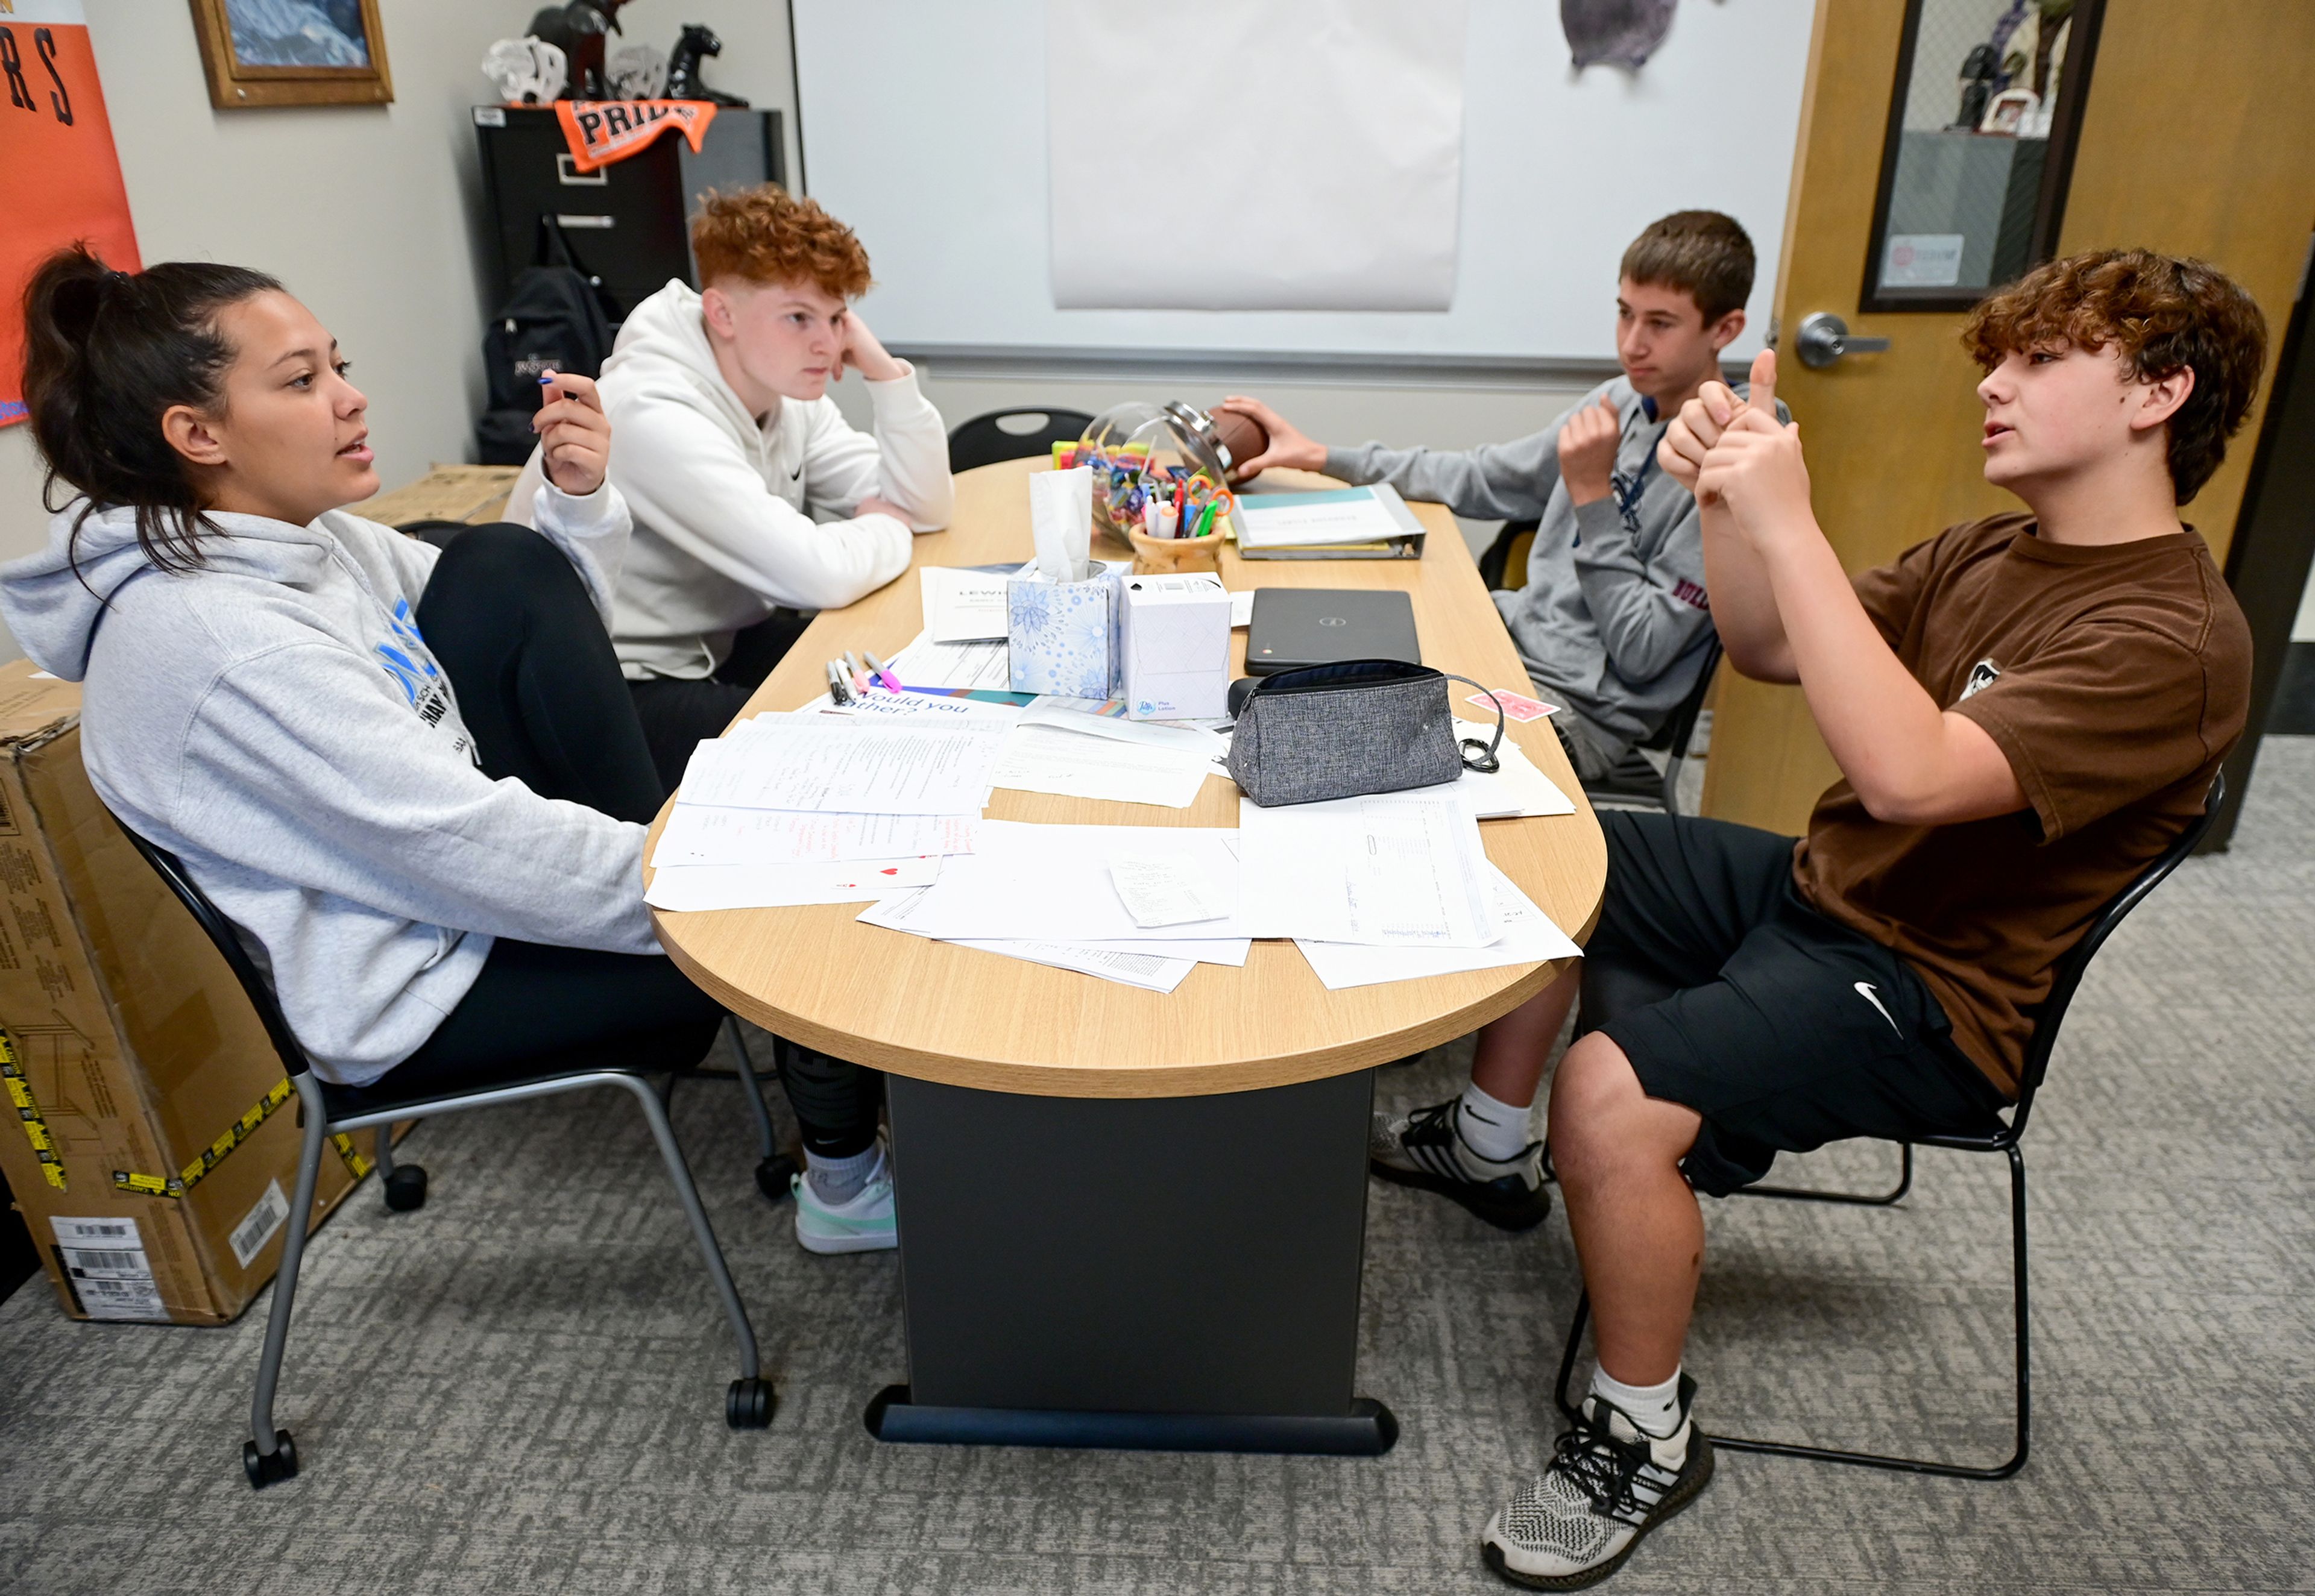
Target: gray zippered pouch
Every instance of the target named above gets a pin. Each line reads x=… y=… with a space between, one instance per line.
x=1347 y=730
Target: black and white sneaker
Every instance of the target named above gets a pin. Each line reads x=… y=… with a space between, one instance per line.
x=1609 y=1483
x=1425 y=1149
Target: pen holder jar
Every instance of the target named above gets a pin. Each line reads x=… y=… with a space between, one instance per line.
x=1144 y=456
x=1167 y=556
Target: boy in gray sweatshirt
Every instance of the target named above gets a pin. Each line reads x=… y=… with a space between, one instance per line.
x=1613 y=621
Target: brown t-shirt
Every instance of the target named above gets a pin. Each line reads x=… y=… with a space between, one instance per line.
x=2115 y=679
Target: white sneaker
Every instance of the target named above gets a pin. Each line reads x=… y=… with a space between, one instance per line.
x=865 y=1224
x=1610 y=1483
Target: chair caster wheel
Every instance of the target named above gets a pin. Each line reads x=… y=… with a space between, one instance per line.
x=773 y=1176
x=749 y=1406
x=405 y=1188
x=264 y=1470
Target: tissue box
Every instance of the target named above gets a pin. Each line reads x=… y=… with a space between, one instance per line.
x=1063 y=636
x=1174 y=646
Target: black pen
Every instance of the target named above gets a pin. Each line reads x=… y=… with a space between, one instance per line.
x=839 y=692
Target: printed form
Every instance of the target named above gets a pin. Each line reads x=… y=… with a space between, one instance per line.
x=812 y=762
x=1396 y=871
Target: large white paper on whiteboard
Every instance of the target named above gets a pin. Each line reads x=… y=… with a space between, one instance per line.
x=1306 y=156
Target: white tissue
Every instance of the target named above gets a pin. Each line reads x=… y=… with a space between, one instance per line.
x=1061 y=520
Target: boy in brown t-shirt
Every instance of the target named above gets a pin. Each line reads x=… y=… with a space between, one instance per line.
x=2027 y=710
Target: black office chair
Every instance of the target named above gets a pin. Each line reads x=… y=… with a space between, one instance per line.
x=323 y=1111
x=986 y=440
x=1635 y=782
x=1505 y=564
x=2067 y=979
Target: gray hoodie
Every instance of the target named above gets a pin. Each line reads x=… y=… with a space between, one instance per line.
x=276 y=720
x=1613 y=619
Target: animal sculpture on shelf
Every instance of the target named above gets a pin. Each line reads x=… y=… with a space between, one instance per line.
x=697 y=43
x=578 y=31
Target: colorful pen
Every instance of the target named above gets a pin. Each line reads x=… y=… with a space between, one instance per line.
x=883 y=672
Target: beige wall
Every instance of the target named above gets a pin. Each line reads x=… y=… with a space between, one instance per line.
x=368 y=212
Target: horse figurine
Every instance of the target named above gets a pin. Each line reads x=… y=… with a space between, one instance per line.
x=697 y=41
x=577 y=29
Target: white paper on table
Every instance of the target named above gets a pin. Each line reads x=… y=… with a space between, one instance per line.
x=1398 y=869
x=1527 y=937
x=1356 y=106
x=962 y=605
x=1153 y=967
x=820 y=762
x=1179 y=737
x=1518 y=788
x=986 y=666
x=693 y=887
x=1050 y=883
x=1230 y=951
x=1046 y=759
x=1133 y=969
x=1167 y=890
x=705 y=834
x=1242 y=609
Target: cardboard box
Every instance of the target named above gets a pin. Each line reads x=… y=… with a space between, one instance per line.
x=154 y=1142
x=1176 y=639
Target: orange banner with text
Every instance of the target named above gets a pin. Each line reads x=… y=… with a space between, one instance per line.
x=601 y=131
x=59 y=177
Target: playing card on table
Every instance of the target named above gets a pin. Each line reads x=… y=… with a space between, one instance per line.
x=1517 y=706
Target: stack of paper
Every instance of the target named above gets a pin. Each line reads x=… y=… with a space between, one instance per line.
x=1136 y=904
x=1525 y=936
x=808 y=808
x=1058 y=749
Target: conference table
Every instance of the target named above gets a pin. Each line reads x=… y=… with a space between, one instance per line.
x=1130 y=1219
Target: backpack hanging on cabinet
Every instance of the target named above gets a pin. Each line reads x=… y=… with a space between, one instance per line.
x=552 y=320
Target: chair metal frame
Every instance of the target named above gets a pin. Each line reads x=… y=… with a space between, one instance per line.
x=271 y=1455
x=2067 y=978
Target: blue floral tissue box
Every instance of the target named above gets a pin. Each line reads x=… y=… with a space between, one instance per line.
x=1063 y=636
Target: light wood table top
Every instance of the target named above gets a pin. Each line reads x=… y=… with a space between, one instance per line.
x=967 y=1018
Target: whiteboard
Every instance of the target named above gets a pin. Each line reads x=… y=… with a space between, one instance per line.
x=923 y=127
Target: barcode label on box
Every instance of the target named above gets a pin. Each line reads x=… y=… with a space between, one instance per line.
x=257 y=1227
x=106 y=1261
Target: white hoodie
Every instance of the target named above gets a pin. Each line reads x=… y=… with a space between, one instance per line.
x=275 y=720
x=723 y=525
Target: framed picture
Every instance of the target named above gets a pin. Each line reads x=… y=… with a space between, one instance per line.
x=292 y=52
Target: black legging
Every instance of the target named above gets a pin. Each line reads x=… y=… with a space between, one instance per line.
x=678 y=714
x=509 y=622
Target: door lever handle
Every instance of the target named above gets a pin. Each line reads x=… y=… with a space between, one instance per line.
x=1824 y=338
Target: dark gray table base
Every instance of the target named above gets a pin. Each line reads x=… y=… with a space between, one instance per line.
x=1179 y=1274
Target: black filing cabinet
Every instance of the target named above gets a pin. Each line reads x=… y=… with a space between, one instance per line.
x=626 y=223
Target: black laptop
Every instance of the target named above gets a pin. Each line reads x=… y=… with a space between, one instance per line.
x=1293 y=627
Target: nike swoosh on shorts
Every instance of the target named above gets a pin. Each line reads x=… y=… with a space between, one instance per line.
x=1865 y=990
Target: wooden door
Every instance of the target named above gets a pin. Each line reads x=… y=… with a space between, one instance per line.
x=2197 y=136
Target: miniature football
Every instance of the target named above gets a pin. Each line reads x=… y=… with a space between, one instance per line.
x=1241 y=435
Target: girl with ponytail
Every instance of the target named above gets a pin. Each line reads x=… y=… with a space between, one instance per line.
x=411 y=776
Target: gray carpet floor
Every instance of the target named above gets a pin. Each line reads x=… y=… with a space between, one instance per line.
x=519 y=1389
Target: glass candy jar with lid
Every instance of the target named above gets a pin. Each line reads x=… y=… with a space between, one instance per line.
x=1164 y=455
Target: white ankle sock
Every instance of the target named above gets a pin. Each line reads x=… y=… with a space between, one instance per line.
x=838 y=1181
x=1495 y=1131
x=1654 y=1408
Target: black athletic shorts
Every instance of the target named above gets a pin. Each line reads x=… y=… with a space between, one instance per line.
x=1731 y=996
